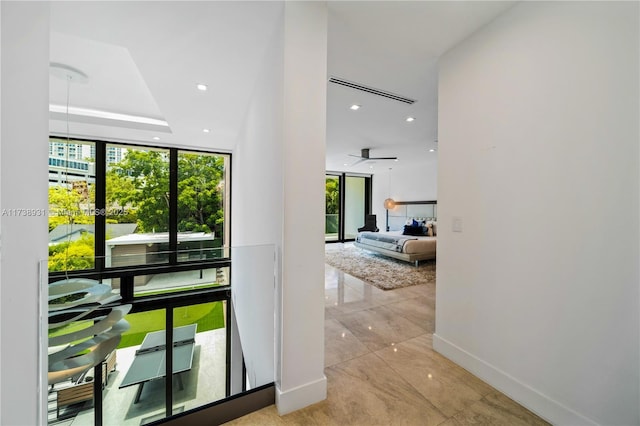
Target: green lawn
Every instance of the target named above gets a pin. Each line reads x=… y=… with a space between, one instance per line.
x=208 y=316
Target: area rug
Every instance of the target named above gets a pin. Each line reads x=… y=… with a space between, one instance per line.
x=383 y=272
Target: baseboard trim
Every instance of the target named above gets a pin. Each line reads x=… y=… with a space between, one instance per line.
x=301 y=396
x=545 y=407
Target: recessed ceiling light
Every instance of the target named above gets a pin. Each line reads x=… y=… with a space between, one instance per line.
x=355 y=107
x=206 y=130
x=410 y=119
x=345 y=164
x=155 y=138
x=432 y=150
x=396 y=160
x=201 y=86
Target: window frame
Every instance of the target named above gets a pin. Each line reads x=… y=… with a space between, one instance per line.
x=170 y=300
x=100 y=271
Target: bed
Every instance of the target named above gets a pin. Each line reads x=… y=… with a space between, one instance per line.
x=406 y=216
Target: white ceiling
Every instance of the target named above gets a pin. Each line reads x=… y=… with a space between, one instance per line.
x=145 y=58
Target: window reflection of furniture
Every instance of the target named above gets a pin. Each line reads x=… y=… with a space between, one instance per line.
x=81 y=389
x=370 y=224
x=149 y=361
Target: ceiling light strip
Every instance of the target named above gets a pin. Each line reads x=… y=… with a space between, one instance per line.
x=107 y=115
x=371 y=90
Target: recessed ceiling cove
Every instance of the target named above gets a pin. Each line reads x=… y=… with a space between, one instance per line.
x=114 y=92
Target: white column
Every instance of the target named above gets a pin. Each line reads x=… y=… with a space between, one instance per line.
x=301 y=381
x=24 y=151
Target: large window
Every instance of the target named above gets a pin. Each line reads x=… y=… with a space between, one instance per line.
x=115 y=205
x=152 y=223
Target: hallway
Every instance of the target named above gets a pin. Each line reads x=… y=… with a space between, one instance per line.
x=381 y=368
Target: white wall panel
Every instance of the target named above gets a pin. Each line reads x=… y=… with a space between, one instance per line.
x=538 y=161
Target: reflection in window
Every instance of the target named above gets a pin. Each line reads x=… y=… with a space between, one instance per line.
x=171 y=282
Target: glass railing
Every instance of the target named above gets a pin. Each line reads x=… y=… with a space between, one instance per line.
x=106 y=347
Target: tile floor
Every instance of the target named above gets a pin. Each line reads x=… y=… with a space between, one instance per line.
x=381 y=368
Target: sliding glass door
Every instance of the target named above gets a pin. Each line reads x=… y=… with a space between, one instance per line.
x=348 y=201
x=354 y=203
x=332 y=208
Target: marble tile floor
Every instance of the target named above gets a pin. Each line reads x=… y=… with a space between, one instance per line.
x=381 y=368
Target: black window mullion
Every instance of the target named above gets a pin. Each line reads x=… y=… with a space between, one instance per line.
x=367 y=195
x=169 y=362
x=228 y=354
x=173 y=206
x=342 y=185
x=100 y=206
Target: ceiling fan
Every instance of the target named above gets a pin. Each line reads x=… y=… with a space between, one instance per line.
x=364 y=156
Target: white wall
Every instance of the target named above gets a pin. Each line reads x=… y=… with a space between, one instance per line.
x=24 y=146
x=417 y=183
x=538 y=155
x=278 y=191
x=256 y=217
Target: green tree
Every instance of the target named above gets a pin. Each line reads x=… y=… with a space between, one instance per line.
x=120 y=196
x=65 y=207
x=200 y=193
x=141 y=181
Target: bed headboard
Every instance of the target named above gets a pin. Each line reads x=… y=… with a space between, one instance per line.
x=405 y=210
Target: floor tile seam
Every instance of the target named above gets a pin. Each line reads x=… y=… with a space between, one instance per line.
x=358 y=311
x=354 y=286
x=354 y=311
x=346 y=372
x=456 y=378
x=417 y=391
x=497 y=407
x=419 y=325
x=369 y=351
x=401 y=299
x=355 y=336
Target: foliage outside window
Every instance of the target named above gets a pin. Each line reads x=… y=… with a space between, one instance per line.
x=71 y=205
x=332 y=204
x=137 y=203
